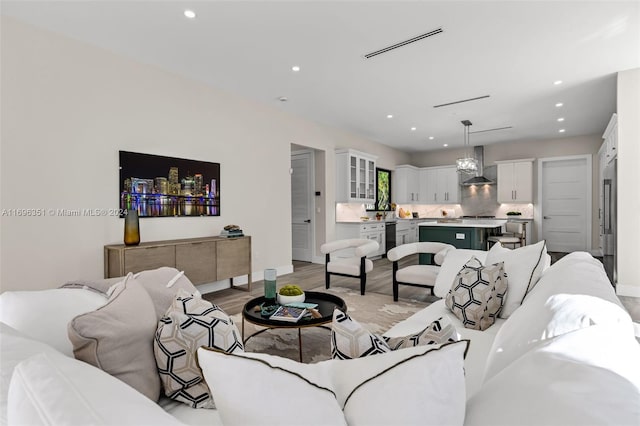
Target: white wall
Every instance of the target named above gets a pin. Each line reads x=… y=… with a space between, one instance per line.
x=67 y=108
x=628 y=183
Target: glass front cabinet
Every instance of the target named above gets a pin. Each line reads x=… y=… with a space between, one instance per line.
x=355 y=177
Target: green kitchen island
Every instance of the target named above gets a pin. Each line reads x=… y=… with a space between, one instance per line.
x=460 y=233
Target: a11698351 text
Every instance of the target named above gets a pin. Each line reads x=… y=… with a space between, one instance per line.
x=58 y=212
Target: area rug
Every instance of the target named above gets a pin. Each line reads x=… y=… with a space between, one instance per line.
x=376 y=312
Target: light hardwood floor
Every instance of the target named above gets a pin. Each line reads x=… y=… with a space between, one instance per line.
x=310 y=275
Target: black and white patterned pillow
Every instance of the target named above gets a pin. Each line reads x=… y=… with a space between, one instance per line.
x=189 y=323
x=478 y=294
x=438 y=332
x=349 y=339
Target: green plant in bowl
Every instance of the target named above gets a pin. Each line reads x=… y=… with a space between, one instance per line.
x=291 y=290
x=290 y=294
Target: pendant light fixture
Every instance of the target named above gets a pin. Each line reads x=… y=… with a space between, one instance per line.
x=467 y=164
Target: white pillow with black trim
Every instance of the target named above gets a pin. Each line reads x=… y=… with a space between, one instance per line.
x=478 y=294
x=189 y=323
x=523 y=268
x=349 y=339
x=422 y=385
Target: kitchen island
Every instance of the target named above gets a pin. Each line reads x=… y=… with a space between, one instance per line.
x=460 y=233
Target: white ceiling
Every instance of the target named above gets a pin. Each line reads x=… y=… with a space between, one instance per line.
x=510 y=50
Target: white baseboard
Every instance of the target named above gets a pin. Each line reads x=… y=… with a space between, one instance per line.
x=255 y=276
x=628 y=290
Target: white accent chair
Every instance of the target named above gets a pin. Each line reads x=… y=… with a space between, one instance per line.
x=356 y=265
x=515 y=233
x=417 y=275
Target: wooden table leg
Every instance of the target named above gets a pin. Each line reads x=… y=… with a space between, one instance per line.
x=300 y=343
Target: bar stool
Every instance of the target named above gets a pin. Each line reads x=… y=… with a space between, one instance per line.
x=515 y=234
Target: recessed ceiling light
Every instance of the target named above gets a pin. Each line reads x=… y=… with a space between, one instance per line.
x=431 y=138
x=446 y=144
x=559 y=104
x=557 y=82
x=389 y=116
x=295 y=68
x=561 y=131
x=561 y=119
x=189 y=14
x=413 y=129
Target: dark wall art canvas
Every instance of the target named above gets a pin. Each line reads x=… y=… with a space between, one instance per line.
x=158 y=186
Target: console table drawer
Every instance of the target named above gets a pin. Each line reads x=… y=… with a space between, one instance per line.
x=233 y=257
x=198 y=261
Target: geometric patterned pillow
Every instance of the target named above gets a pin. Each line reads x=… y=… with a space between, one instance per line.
x=349 y=339
x=438 y=332
x=478 y=294
x=189 y=323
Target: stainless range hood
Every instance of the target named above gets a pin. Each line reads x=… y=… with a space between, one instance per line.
x=478 y=179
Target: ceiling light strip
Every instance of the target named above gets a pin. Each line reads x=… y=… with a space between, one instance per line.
x=459 y=102
x=491 y=130
x=403 y=43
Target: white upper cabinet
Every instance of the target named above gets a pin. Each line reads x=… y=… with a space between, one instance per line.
x=515 y=181
x=610 y=137
x=406 y=185
x=439 y=185
x=355 y=177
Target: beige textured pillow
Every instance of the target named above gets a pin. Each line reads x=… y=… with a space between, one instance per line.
x=118 y=338
x=163 y=284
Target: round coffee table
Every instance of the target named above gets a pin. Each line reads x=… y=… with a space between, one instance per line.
x=326 y=304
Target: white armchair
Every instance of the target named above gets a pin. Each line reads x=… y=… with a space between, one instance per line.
x=354 y=266
x=417 y=275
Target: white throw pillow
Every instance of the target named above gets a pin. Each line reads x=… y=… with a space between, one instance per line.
x=44 y=314
x=422 y=385
x=453 y=262
x=523 y=268
x=52 y=389
x=15 y=347
x=572 y=294
x=587 y=377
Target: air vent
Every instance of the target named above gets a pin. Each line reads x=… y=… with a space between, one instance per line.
x=461 y=101
x=403 y=43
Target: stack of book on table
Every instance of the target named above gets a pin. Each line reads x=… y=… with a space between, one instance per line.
x=288 y=313
x=232 y=231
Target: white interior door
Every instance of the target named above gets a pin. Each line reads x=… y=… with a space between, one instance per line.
x=301 y=206
x=565 y=198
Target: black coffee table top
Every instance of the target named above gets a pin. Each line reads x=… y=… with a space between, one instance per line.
x=326 y=304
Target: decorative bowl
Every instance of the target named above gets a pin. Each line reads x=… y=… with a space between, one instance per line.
x=284 y=300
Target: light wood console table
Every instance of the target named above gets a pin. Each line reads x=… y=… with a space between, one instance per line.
x=203 y=260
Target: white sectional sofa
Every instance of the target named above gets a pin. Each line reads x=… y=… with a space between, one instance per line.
x=566 y=356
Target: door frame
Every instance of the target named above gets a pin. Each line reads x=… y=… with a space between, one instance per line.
x=312 y=202
x=589 y=194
